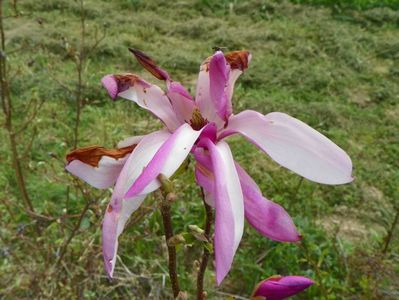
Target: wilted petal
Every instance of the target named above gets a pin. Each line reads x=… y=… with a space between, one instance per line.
x=294 y=145
x=229 y=221
x=146 y=95
x=149 y=64
x=120 y=208
x=98 y=166
x=267 y=217
x=238 y=61
x=166 y=160
x=278 y=288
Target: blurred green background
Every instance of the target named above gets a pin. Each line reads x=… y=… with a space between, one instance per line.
x=332 y=64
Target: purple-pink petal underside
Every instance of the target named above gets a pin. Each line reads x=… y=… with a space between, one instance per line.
x=166 y=161
x=219 y=72
x=278 y=288
x=120 y=208
x=293 y=145
x=229 y=221
x=268 y=218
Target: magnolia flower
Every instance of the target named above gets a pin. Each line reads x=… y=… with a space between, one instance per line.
x=278 y=288
x=199 y=126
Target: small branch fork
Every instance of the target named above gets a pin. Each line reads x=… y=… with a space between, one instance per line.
x=167 y=192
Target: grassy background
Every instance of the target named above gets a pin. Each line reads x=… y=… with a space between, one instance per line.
x=336 y=67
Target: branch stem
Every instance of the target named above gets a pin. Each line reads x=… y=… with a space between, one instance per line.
x=206 y=253
x=168 y=231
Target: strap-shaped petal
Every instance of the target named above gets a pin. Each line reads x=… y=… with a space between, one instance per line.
x=229 y=204
x=167 y=160
x=215 y=85
x=146 y=95
x=219 y=72
x=267 y=217
x=99 y=166
x=120 y=208
x=294 y=145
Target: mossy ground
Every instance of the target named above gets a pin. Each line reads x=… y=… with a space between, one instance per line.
x=334 y=67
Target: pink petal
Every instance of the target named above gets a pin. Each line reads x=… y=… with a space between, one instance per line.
x=166 y=161
x=218 y=77
x=182 y=102
x=146 y=95
x=278 y=288
x=111 y=85
x=267 y=217
x=120 y=209
x=204 y=175
x=203 y=97
x=229 y=222
x=294 y=145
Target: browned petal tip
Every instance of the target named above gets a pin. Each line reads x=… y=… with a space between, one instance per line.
x=238 y=59
x=149 y=64
x=92 y=155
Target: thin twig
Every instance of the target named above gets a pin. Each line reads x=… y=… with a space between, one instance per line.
x=206 y=253
x=73 y=233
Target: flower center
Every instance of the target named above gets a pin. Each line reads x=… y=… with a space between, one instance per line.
x=197 y=120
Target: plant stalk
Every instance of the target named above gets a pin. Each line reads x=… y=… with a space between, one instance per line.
x=168 y=231
x=206 y=253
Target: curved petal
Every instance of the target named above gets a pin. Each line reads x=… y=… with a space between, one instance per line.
x=278 y=288
x=216 y=79
x=267 y=217
x=204 y=175
x=238 y=61
x=146 y=95
x=167 y=160
x=120 y=208
x=219 y=72
x=181 y=100
x=98 y=166
x=203 y=96
x=149 y=64
x=294 y=145
x=229 y=221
